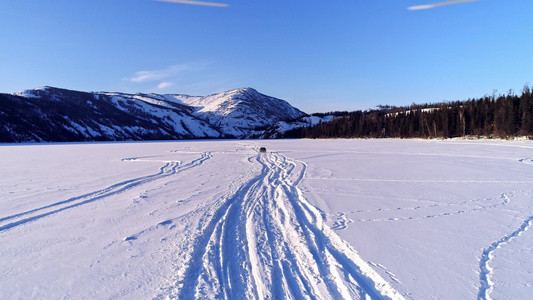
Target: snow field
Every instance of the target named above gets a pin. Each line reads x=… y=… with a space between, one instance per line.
x=310 y=219
x=282 y=247
x=428 y=207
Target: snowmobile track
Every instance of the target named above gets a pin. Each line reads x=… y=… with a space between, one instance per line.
x=170 y=168
x=265 y=241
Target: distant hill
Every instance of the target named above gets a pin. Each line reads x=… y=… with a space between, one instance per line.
x=51 y=114
x=504 y=116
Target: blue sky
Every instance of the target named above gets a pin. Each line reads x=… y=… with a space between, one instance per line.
x=319 y=55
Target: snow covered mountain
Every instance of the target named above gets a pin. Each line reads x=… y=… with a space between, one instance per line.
x=236 y=112
x=52 y=114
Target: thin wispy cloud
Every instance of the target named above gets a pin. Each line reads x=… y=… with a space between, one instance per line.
x=434 y=5
x=155 y=75
x=165 y=84
x=162 y=79
x=192 y=2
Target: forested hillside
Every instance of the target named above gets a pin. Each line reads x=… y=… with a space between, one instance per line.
x=51 y=114
x=503 y=116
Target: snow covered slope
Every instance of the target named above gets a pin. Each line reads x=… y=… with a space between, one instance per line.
x=309 y=219
x=52 y=114
x=238 y=111
x=280 y=128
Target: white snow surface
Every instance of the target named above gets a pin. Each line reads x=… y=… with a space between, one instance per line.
x=309 y=219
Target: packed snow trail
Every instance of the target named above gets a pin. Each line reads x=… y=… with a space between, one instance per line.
x=265 y=241
x=170 y=168
x=487 y=285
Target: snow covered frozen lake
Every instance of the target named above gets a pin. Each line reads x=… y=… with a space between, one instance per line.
x=309 y=219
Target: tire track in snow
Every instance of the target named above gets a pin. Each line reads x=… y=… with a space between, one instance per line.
x=266 y=241
x=487 y=255
x=170 y=168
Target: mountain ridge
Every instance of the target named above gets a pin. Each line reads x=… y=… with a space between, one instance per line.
x=50 y=114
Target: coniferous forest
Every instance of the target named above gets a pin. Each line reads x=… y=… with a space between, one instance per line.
x=503 y=116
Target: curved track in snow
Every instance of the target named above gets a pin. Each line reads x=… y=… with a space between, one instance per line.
x=170 y=168
x=266 y=241
x=486 y=270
